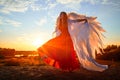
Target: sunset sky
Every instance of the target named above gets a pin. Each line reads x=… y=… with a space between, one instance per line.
x=27 y=24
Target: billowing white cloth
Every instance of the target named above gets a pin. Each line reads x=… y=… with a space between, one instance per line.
x=87 y=39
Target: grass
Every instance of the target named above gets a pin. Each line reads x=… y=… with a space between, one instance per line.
x=21 y=61
x=31 y=70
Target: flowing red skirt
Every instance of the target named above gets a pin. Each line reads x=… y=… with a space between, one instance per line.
x=59 y=52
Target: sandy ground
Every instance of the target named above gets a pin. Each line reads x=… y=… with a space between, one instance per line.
x=50 y=73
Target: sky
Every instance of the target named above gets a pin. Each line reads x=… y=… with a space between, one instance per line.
x=27 y=24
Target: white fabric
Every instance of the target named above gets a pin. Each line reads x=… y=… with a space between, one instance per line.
x=87 y=38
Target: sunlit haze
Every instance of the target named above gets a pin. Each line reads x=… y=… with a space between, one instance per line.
x=37 y=42
x=27 y=24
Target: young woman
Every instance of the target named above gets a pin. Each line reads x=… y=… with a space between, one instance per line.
x=69 y=47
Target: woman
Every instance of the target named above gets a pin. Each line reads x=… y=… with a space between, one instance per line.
x=77 y=37
x=59 y=51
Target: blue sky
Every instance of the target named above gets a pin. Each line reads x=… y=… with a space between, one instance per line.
x=26 y=24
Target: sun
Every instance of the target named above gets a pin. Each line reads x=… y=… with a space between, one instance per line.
x=37 y=42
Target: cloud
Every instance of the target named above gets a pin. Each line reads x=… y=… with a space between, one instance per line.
x=69 y=1
x=1 y=22
x=43 y=5
x=6 y=21
x=80 y=1
x=76 y=4
x=13 y=23
x=72 y=4
x=41 y=22
x=113 y=4
x=35 y=7
x=52 y=5
x=104 y=1
x=8 y=6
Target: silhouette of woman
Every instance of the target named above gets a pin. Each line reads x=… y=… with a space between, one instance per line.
x=62 y=51
x=59 y=51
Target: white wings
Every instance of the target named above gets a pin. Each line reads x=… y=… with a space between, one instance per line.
x=87 y=39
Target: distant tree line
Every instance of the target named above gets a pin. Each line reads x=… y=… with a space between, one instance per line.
x=111 y=47
x=111 y=52
x=6 y=52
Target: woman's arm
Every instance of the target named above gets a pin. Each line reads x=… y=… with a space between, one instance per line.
x=79 y=20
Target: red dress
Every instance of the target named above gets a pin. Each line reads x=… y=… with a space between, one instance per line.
x=59 y=52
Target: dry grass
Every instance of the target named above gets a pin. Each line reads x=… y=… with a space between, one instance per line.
x=21 y=61
x=43 y=72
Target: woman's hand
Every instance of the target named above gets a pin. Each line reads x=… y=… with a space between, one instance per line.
x=79 y=20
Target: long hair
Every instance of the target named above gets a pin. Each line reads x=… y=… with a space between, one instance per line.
x=63 y=22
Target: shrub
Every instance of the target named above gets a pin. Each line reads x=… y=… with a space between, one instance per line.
x=12 y=62
x=2 y=57
x=113 y=54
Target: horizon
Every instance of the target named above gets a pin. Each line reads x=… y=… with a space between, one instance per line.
x=27 y=24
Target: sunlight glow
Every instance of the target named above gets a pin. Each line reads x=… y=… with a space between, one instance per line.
x=37 y=42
